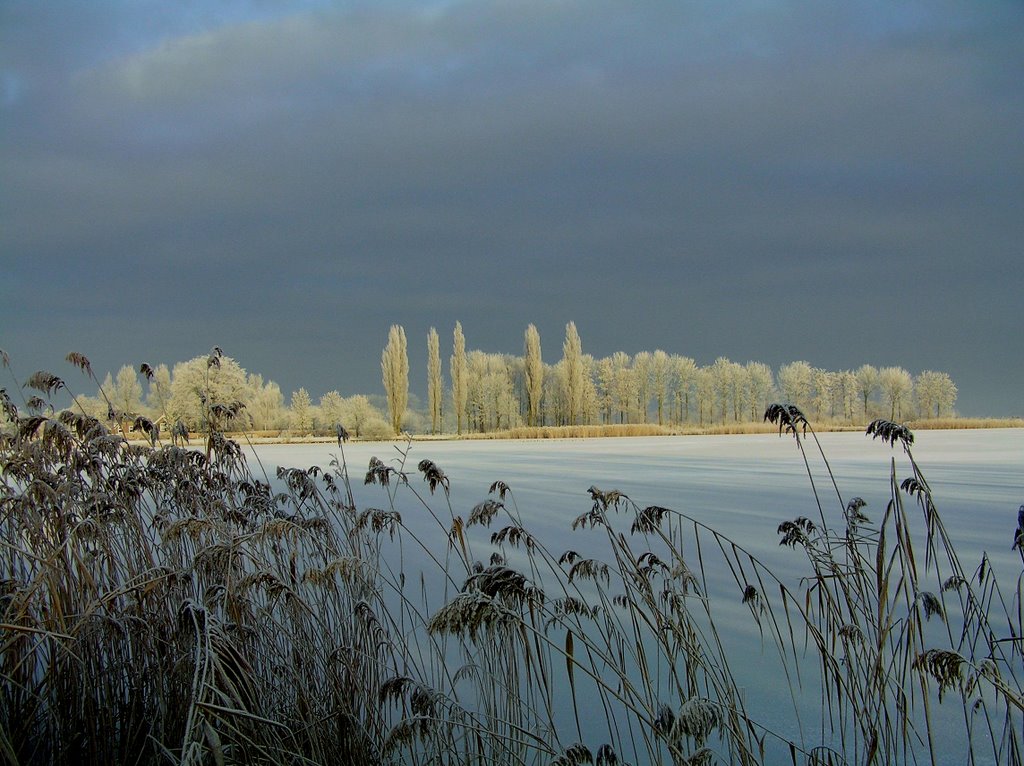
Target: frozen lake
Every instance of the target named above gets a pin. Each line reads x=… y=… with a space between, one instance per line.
x=742 y=486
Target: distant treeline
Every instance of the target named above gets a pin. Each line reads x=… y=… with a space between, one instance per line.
x=485 y=392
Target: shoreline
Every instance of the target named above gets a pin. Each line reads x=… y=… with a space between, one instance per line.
x=616 y=431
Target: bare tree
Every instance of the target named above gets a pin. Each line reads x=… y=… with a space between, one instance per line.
x=435 y=385
x=394 y=365
x=534 y=374
x=457 y=368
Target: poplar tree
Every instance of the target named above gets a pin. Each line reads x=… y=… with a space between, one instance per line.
x=457 y=368
x=435 y=386
x=572 y=355
x=534 y=367
x=394 y=365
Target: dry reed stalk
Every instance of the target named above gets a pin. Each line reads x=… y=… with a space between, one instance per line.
x=161 y=603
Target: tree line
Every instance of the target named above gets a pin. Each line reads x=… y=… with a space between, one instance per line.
x=486 y=392
x=490 y=391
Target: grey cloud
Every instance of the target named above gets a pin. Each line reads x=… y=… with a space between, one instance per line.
x=731 y=180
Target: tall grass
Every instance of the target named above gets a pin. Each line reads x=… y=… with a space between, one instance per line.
x=964 y=423
x=160 y=603
x=620 y=429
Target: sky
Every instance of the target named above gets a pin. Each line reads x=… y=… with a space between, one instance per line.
x=770 y=180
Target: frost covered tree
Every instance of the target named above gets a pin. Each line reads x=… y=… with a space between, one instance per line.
x=704 y=388
x=660 y=371
x=684 y=375
x=824 y=392
x=935 y=393
x=394 y=366
x=796 y=380
x=896 y=385
x=457 y=369
x=846 y=393
x=158 y=395
x=591 y=404
x=726 y=377
x=643 y=363
x=555 y=408
x=435 y=385
x=623 y=384
x=534 y=374
x=332 y=409
x=738 y=389
x=605 y=376
x=301 y=411
x=206 y=390
x=492 y=404
x=359 y=413
x=572 y=355
x=266 y=404
x=123 y=392
x=867 y=384
x=760 y=388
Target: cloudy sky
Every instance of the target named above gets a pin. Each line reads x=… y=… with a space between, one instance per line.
x=836 y=182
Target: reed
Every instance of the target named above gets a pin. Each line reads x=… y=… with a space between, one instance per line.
x=162 y=603
x=958 y=423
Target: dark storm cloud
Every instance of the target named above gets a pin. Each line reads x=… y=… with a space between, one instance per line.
x=836 y=182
